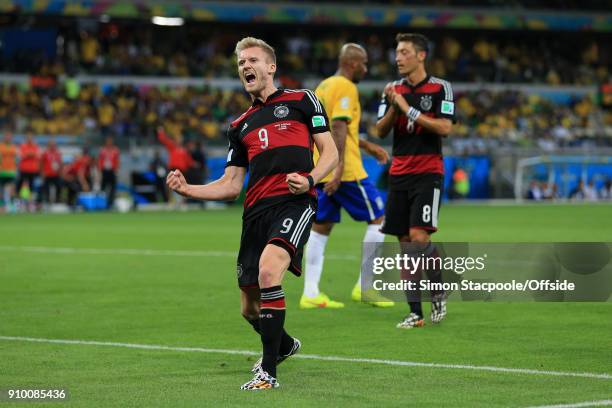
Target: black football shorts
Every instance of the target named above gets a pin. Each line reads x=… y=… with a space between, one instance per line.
x=286 y=225
x=416 y=207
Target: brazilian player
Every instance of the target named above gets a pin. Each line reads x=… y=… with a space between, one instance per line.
x=348 y=186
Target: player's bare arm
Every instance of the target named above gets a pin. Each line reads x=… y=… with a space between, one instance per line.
x=328 y=159
x=227 y=188
x=379 y=153
x=440 y=126
x=339 y=131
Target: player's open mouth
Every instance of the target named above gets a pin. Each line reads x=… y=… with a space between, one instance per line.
x=249 y=78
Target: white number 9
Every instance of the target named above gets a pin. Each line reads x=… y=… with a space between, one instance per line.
x=287 y=223
x=263 y=137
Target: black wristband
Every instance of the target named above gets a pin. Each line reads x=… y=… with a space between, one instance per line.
x=310 y=181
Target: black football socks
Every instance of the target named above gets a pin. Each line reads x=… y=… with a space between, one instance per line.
x=271 y=321
x=286 y=340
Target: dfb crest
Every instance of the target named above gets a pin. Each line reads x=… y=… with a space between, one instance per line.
x=281 y=111
x=426 y=102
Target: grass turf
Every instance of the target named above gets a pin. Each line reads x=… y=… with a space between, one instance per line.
x=193 y=302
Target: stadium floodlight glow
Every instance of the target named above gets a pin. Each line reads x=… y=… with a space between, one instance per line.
x=168 y=21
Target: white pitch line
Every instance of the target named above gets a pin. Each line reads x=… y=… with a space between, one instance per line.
x=602 y=376
x=601 y=403
x=139 y=252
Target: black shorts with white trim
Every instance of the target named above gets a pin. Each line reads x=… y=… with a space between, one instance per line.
x=414 y=207
x=286 y=225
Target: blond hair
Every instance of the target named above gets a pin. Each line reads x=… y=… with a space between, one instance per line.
x=250 y=42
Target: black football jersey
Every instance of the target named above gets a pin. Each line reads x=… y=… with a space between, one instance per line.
x=416 y=150
x=273 y=139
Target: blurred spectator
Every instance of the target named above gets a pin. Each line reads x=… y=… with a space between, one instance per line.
x=197 y=172
x=606 y=191
x=578 y=192
x=178 y=156
x=551 y=192
x=535 y=191
x=158 y=168
x=590 y=192
x=8 y=168
x=29 y=166
x=51 y=164
x=108 y=166
x=461 y=184
x=77 y=176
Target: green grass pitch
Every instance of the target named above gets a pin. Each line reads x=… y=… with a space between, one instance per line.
x=158 y=298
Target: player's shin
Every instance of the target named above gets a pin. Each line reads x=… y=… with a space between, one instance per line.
x=434 y=269
x=413 y=296
x=372 y=237
x=286 y=340
x=412 y=272
x=271 y=321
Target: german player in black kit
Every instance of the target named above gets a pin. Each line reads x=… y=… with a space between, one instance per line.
x=274 y=140
x=420 y=110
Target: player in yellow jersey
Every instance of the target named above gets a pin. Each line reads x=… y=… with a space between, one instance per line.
x=348 y=186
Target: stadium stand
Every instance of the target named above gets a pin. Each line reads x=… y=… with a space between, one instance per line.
x=469 y=56
x=526 y=81
x=487 y=119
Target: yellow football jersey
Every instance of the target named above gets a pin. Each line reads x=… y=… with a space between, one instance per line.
x=340 y=98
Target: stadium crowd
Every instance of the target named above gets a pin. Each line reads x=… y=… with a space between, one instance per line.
x=123 y=111
x=486 y=120
x=56 y=103
x=192 y=51
x=542 y=191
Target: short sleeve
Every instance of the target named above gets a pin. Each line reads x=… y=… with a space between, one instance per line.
x=236 y=155
x=446 y=104
x=345 y=105
x=316 y=116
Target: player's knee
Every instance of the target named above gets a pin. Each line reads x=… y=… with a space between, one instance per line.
x=268 y=275
x=323 y=228
x=404 y=238
x=377 y=221
x=419 y=235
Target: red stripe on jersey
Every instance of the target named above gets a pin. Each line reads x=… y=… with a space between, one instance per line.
x=417 y=164
x=286 y=97
x=402 y=89
x=278 y=134
x=428 y=88
x=245 y=115
x=273 y=304
x=269 y=186
x=266 y=187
